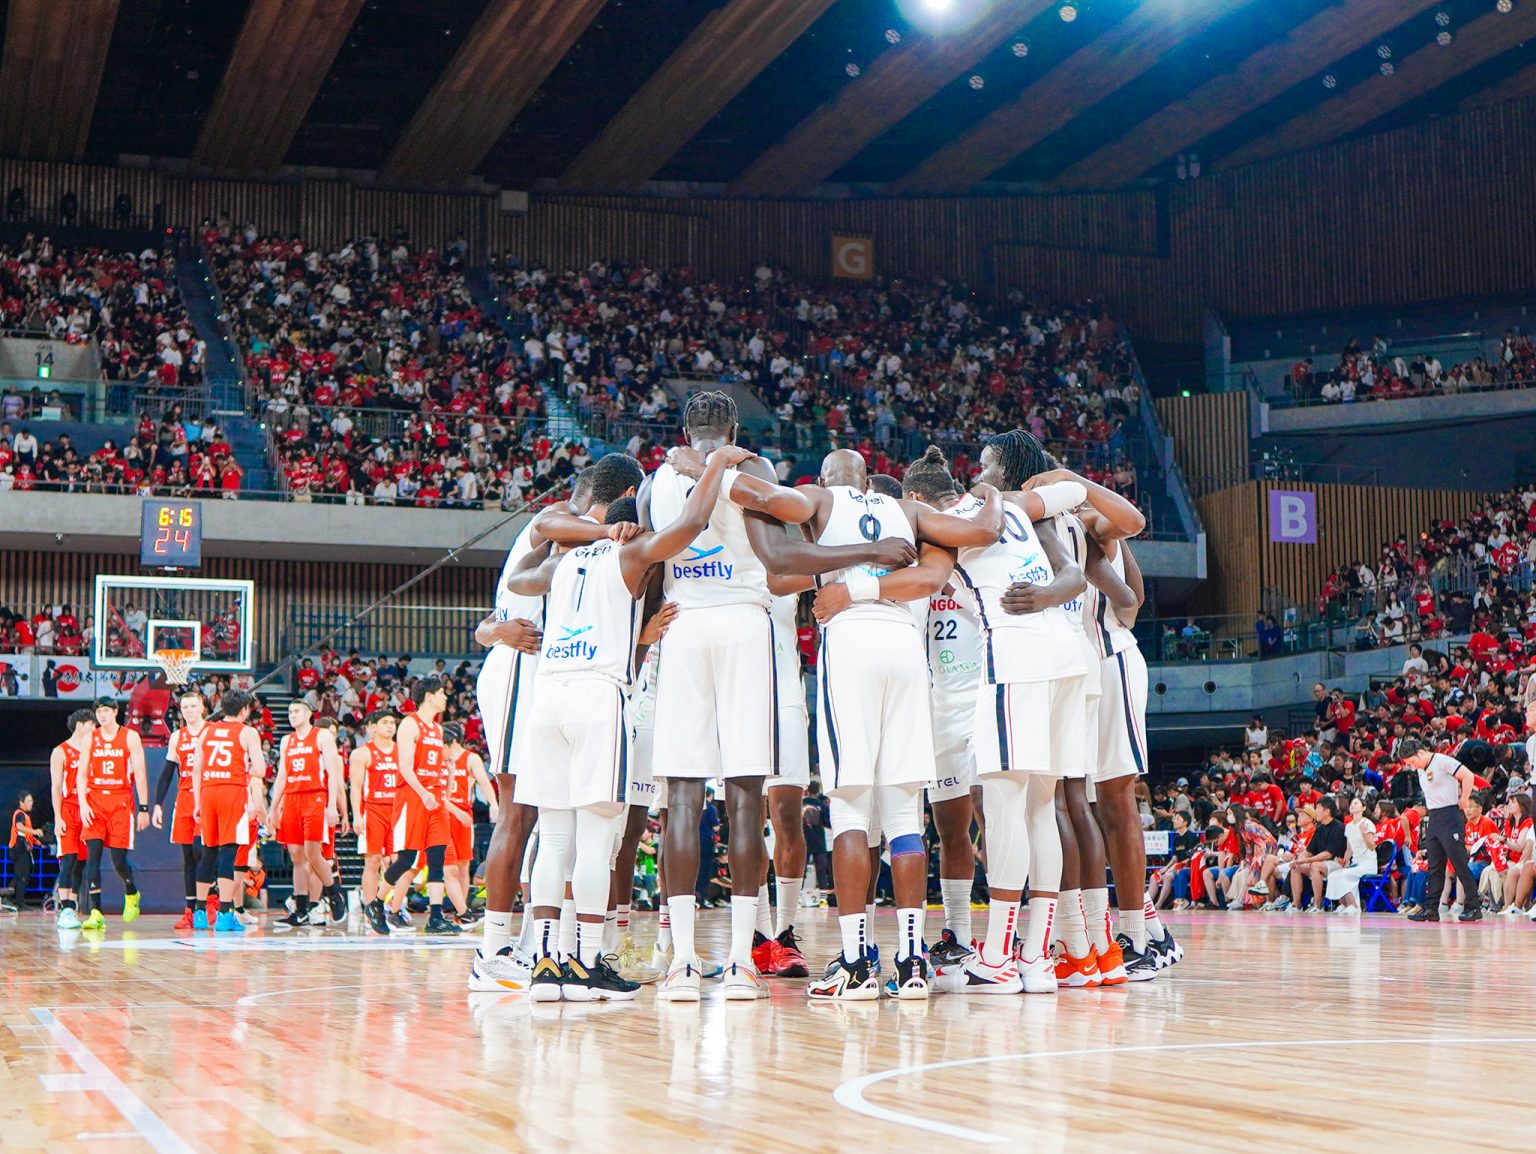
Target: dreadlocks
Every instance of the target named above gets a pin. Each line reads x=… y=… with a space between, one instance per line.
x=1020 y=455
x=929 y=477
x=710 y=412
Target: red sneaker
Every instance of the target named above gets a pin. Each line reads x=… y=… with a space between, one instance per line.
x=762 y=953
x=786 y=958
x=213 y=909
x=186 y=920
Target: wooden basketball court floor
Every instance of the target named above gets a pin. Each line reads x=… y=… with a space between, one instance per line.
x=1276 y=1031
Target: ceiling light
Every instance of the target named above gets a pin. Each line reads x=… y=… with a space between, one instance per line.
x=1384 y=51
x=1443 y=39
x=892 y=36
x=1330 y=81
x=976 y=83
x=1386 y=68
x=1505 y=6
x=1068 y=12
x=937 y=6
x=851 y=68
x=1443 y=19
x=1021 y=48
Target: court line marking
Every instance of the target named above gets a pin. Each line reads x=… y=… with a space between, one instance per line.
x=95 y=1075
x=252 y=999
x=283 y=945
x=850 y=1094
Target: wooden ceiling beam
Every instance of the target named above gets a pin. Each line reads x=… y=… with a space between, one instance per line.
x=724 y=54
x=1331 y=35
x=1522 y=83
x=509 y=53
x=50 y=71
x=280 y=59
x=1091 y=74
x=1414 y=75
x=892 y=88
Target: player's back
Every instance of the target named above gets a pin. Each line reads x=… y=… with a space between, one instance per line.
x=859 y=518
x=592 y=620
x=224 y=759
x=1106 y=631
x=508 y=605
x=719 y=567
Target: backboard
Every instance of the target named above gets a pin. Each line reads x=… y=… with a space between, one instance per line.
x=135 y=616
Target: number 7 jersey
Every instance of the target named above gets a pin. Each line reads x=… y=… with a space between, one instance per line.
x=1027 y=646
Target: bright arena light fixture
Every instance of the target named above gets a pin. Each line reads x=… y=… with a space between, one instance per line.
x=1330 y=81
x=938 y=7
x=1021 y=48
x=1386 y=68
x=1505 y=6
x=977 y=83
x=1068 y=12
x=1443 y=39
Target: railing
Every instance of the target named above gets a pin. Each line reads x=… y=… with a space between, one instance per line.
x=439 y=631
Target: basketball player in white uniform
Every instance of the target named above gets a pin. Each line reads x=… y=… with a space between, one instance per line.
x=578 y=741
x=715 y=698
x=1031 y=721
x=514 y=633
x=955 y=651
x=874 y=727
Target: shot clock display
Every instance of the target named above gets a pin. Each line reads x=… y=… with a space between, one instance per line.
x=171 y=535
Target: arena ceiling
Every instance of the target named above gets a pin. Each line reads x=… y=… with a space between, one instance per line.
x=764 y=97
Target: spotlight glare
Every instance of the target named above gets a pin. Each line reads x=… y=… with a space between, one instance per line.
x=938 y=7
x=1068 y=12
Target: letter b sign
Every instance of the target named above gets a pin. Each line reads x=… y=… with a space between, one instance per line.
x=1292 y=517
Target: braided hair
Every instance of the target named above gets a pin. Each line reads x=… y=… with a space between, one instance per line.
x=710 y=412
x=1020 y=455
x=929 y=475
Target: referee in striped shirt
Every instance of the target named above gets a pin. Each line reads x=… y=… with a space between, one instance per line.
x=1447 y=787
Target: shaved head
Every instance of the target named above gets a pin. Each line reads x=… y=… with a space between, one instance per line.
x=844 y=467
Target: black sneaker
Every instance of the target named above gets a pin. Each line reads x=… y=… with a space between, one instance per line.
x=437 y=924
x=1168 y=951
x=293 y=921
x=544 y=985
x=597 y=983
x=910 y=981
x=400 y=920
x=854 y=983
x=338 y=904
x=1427 y=914
x=471 y=918
x=949 y=951
x=1139 y=966
x=1475 y=914
x=374 y=912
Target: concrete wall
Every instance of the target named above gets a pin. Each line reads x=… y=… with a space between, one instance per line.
x=1329 y=419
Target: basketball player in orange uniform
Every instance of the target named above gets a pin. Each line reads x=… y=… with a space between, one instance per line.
x=375 y=778
x=178 y=763
x=421 y=817
x=304 y=804
x=64 y=770
x=227 y=777
x=108 y=776
x=336 y=774
x=465 y=770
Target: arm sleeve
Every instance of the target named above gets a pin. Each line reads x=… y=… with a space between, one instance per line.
x=167 y=775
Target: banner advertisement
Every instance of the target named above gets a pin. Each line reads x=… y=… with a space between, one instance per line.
x=65 y=678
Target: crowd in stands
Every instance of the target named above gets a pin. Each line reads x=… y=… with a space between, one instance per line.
x=1378 y=373
x=165 y=456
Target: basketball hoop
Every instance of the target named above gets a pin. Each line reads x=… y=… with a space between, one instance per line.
x=177 y=664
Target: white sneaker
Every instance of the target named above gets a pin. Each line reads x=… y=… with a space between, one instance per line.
x=742 y=983
x=319 y=915
x=1038 y=975
x=681 y=983
x=1531 y=916
x=69 y=919
x=629 y=961
x=246 y=919
x=1452 y=911
x=661 y=959
x=502 y=972
x=1348 y=910
x=1314 y=908
x=978 y=976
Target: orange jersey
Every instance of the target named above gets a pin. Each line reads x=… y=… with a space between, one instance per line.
x=304 y=763
x=459 y=780
x=224 y=761
x=431 y=768
x=184 y=745
x=382 y=777
x=107 y=770
x=71 y=769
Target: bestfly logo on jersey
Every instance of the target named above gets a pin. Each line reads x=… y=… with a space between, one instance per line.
x=1030 y=571
x=570 y=647
x=696 y=565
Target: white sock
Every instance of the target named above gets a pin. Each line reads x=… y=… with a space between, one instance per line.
x=622 y=916
x=1133 y=924
x=855 y=929
x=910 y=940
x=1096 y=917
x=567 y=927
x=763 y=915
x=1155 y=928
x=1071 y=926
x=526 y=937
x=496 y=933
x=664 y=927
x=788 y=894
x=610 y=932
x=869 y=915
x=1037 y=938
x=546 y=938
x=1002 y=920
x=743 y=922
x=684 y=909
x=589 y=938
x=957 y=907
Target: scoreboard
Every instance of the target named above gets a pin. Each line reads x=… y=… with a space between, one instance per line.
x=171 y=535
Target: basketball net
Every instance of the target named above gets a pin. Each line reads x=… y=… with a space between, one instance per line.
x=177 y=664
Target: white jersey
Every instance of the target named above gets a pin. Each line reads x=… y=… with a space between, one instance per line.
x=956 y=648
x=1019 y=647
x=1105 y=629
x=592 y=621
x=859 y=518
x=786 y=651
x=509 y=605
x=719 y=568
x=642 y=694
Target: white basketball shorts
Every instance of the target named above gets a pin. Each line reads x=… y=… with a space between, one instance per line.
x=504 y=690
x=578 y=746
x=1122 y=732
x=954 y=742
x=643 y=789
x=715 y=695
x=874 y=723
x=1032 y=727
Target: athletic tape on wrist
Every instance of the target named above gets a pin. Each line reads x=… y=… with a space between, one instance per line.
x=727 y=479
x=862 y=586
x=1059 y=496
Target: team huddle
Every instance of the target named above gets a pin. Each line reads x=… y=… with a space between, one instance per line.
x=974 y=646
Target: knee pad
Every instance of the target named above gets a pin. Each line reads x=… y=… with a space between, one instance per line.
x=404 y=862
x=901 y=814
x=226 y=861
x=437 y=855
x=1007 y=831
x=852 y=809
